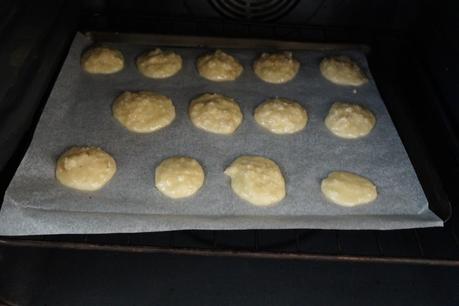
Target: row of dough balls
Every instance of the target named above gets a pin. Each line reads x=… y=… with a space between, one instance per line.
x=275 y=68
x=145 y=112
x=255 y=179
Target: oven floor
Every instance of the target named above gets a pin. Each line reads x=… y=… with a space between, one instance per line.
x=58 y=277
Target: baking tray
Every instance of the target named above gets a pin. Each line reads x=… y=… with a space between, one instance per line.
x=35 y=212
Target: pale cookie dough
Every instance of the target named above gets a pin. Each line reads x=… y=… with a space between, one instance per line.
x=219 y=66
x=102 y=60
x=349 y=120
x=158 y=64
x=85 y=168
x=215 y=113
x=276 y=68
x=348 y=189
x=179 y=177
x=257 y=180
x=281 y=116
x=342 y=70
x=143 y=111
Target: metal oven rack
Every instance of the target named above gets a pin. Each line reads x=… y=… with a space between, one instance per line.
x=426 y=247
x=44 y=51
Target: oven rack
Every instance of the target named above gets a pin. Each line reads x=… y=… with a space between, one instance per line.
x=438 y=247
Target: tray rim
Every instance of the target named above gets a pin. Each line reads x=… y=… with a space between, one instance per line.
x=218 y=42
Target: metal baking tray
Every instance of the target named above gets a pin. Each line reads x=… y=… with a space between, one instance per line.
x=42 y=220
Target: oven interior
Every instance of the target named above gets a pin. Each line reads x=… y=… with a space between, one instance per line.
x=413 y=44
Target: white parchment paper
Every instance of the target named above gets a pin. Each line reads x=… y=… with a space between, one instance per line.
x=78 y=112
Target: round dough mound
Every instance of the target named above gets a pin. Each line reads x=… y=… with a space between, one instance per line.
x=276 y=68
x=349 y=120
x=219 y=66
x=157 y=64
x=281 y=116
x=85 y=168
x=102 y=60
x=179 y=177
x=348 y=189
x=143 y=111
x=257 y=180
x=342 y=70
x=215 y=113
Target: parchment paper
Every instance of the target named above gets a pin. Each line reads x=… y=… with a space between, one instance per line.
x=78 y=112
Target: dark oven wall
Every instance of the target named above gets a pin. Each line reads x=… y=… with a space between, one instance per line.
x=227 y=17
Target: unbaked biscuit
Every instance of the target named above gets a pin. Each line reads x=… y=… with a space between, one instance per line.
x=342 y=70
x=257 y=180
x=281 y=116
x=348 y=189
x=102 y=60
x=276 y=68
x=219 y=66
x=179 y=177
x=85 y=168
x=350 y=121
x=143 y=111
x=158 y=64
x=215 y=113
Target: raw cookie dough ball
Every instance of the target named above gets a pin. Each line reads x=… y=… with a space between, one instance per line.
x=281 y=116
x=179 y=177
x=276 y=68
x=257 y=180
x=85 y=168
x=348 y=189
x=349 y=120
x=143 y=111
x=219 y=66
x=102 y=60
x=157 y=64
x=215 y=113
x=342 y=70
